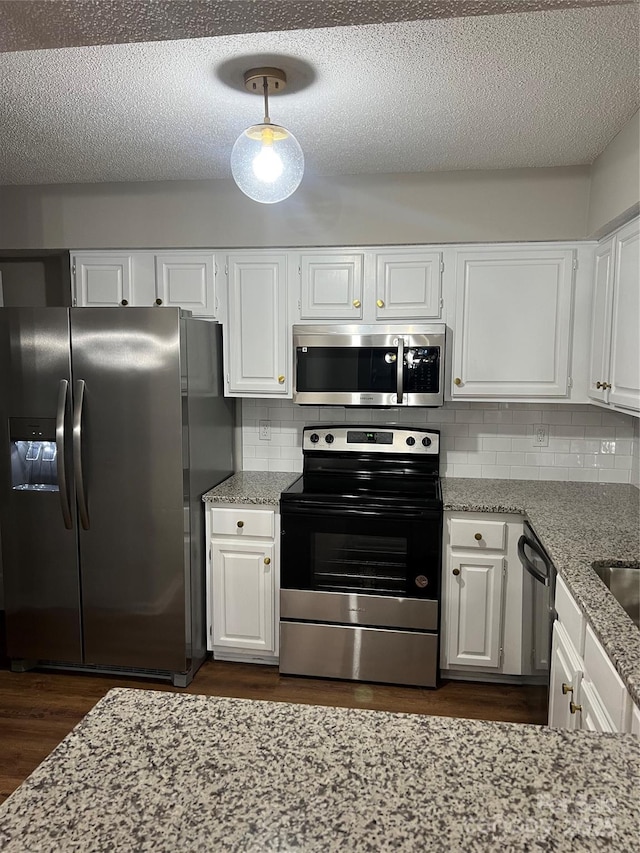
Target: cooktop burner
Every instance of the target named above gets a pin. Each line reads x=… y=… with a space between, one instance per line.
x=354 y=466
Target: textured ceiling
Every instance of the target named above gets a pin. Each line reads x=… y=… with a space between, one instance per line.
x=41 y=24
x=535 y=89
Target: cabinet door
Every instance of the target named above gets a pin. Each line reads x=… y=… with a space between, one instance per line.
x=601 y=320
x=102 y=281
x=187 y=281
x=512 y=330
x=625 y=346
x=475 y=610
x=331 y=287
x=408 y=286
x=243 y=595
x=564 y=682
x=258 y=340
x=592 y=717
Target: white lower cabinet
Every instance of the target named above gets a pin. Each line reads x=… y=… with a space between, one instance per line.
x=243 y=584
x=585 y=690
x=482 y=596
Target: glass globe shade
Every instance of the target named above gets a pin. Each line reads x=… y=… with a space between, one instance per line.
x=267 y=163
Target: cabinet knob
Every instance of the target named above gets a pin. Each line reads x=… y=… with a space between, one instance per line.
x=603 y=385
x=241 y=524
x=124 y=302
x=281 y=379
x=380 y=303
x=599 y=384
x=477 y=536
x=607 y=385
x=456 y=572
x=356 y=303
x=267 y=560
x=158 y=301
x=457 y=381
x=567 y=688
x=573 y=707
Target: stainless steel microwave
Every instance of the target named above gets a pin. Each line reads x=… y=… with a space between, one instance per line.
x=399 y=365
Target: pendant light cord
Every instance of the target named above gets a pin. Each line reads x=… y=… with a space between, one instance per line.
x=265 y=88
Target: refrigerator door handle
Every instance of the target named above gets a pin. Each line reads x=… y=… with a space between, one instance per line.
x=77 y=453
x=60 y=454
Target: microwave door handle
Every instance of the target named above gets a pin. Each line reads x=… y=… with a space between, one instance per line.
x=526 y=562
x=399 y=370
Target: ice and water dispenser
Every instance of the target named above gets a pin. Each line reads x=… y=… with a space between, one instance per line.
x=33 y=454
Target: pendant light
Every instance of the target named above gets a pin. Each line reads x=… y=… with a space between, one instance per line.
x=267 y=162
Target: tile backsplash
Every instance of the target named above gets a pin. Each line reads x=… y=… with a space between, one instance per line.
x=586 y=443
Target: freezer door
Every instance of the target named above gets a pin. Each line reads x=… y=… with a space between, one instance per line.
x=39 y=528
x=128 y=470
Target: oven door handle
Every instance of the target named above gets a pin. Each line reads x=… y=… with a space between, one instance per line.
x=311 y=509
x=399 y=370
x=526 y=562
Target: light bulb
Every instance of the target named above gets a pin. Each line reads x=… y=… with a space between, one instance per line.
x=267 y=166
x=267 y=163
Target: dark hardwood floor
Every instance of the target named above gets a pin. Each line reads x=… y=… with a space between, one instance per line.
x=38 y=709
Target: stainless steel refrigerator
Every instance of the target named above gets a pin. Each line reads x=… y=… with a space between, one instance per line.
x=112 y=425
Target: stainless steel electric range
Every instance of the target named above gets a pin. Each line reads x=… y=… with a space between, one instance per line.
x=361 y=556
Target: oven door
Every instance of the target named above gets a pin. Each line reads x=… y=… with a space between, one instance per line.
x=364 y=551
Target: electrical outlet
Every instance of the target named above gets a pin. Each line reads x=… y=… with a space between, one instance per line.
x=264 y=430
x=540 y=435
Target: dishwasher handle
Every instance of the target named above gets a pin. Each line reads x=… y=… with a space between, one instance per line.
x=526 y=562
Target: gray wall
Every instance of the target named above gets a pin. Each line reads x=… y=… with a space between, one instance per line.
x=510 y=204
x=615 y=181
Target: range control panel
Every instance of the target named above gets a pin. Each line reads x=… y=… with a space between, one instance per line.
x=369 y=439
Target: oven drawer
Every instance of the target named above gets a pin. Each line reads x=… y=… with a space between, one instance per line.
x=243 y=522
x=359 y=654
x=478 y=535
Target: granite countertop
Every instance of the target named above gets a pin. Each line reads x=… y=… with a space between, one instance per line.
x=251 y=487
x=579 y=524
x=153 y=771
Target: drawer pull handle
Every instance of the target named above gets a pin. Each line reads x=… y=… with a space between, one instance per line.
x=267 y=560
x=457 y=381
x=356 y=303
x=456 y=572
x=567 y=688
x=478 y=536
x=573 y=707
x=240 y=523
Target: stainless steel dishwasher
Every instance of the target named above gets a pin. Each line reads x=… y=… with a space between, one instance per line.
x=538 y=615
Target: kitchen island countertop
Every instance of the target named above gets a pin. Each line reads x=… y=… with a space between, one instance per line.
x=579 y=524
x=148 y=770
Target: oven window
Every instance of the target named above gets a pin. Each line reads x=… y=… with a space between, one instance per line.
x=360 y=563
x=348 y=369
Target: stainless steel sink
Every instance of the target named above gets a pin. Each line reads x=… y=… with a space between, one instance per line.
x=624 y=583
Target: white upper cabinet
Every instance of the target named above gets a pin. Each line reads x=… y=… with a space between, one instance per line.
x=257 y=336
x=331 y=286
x=601 y=320
x=408 y=285
x=512 y=328
x=370 y=286
x=615 y=348
x=187 y=280
x=101 y=281
x=179 y=279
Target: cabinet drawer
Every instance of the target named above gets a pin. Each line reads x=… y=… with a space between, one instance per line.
x=602 y=673
x=570 y=616
x=464 y=534
x=243 y=522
